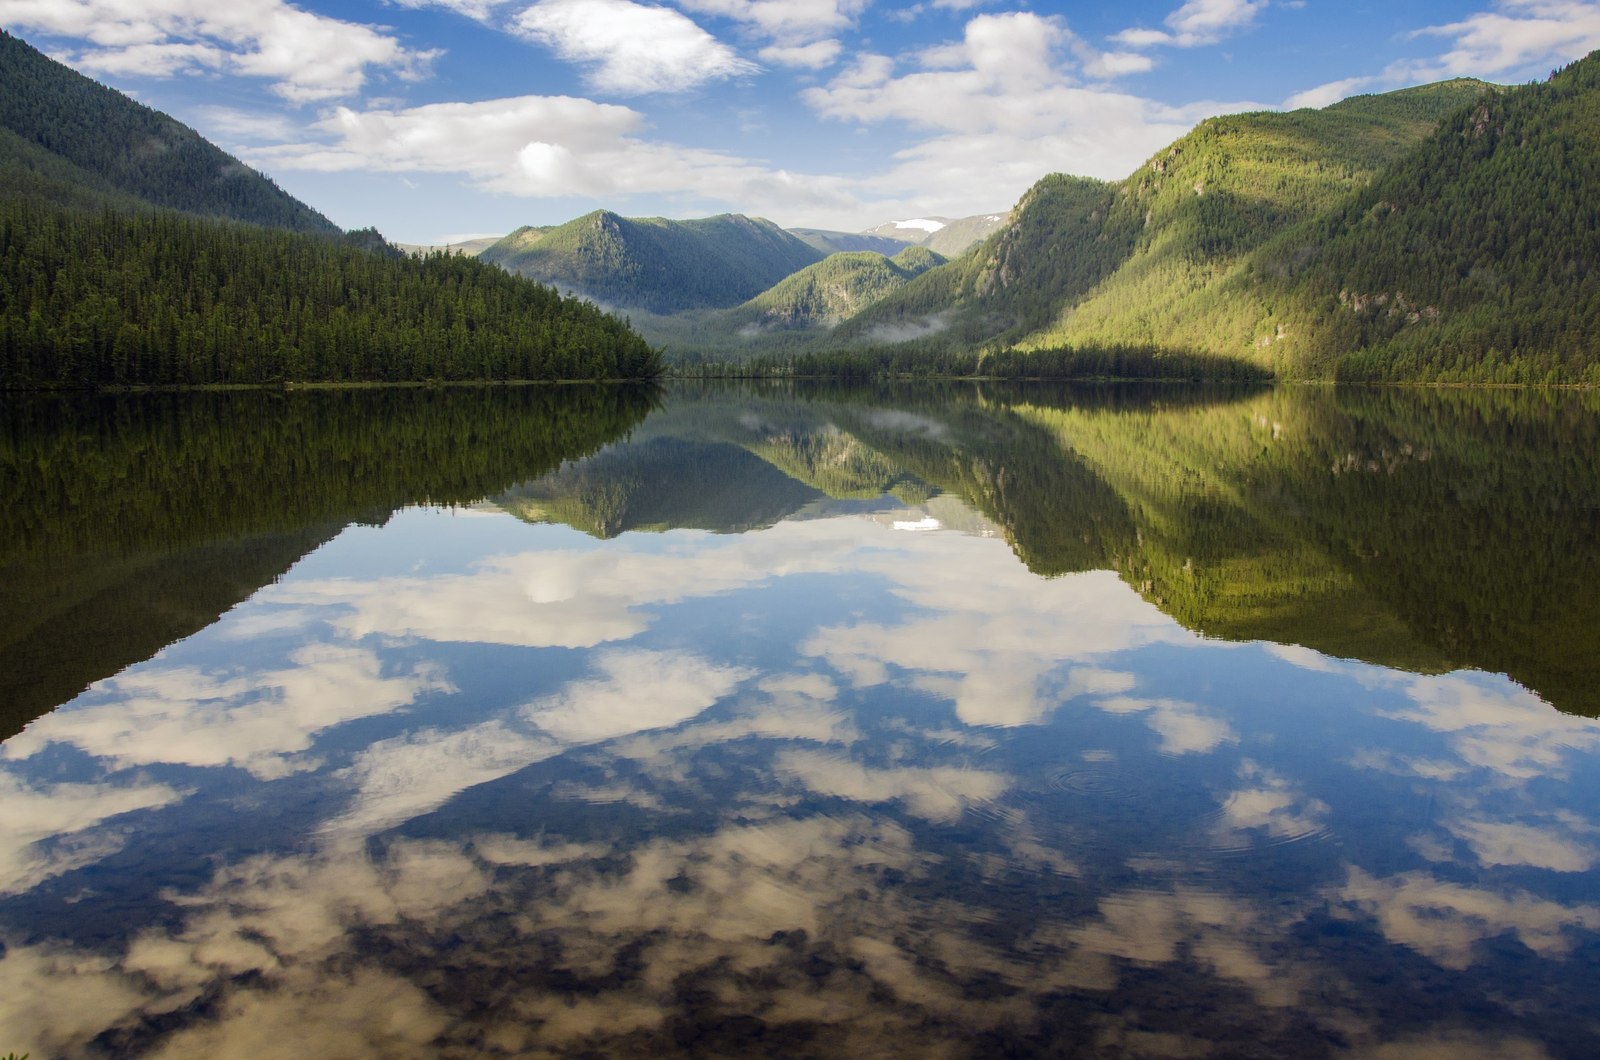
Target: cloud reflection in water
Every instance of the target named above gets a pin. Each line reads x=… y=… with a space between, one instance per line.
x=864 y=843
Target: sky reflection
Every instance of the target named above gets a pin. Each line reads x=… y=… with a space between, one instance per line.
x=821 y=788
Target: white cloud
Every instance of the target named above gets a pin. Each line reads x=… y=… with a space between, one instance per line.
x=405 y=777
x=257 y=721
x=785 y=21
x=1005 y=107
x=1511 y=732
x=48 y=829
x=1270 y=804
x=551 y=146
x=941 y=793
x=480 y=10
x=1183 y=727
x=1517 y=37
x=634 y=691
x=1513 y=843
x=572 y=599
x=307 y=56
x=999 y=640
x=630 y=48
x=813 y=56
x=1196 y=23
x=1107 y=65
x=1445 y=921
x=228 y=123
x=1331 y=92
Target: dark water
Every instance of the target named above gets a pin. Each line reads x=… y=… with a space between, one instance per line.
x=963 y=722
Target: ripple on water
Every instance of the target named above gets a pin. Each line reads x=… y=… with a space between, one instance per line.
x=1097 y=780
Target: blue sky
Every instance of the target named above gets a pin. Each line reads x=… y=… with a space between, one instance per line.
x=440 y=119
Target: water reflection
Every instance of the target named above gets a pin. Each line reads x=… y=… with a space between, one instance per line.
x=833 y=772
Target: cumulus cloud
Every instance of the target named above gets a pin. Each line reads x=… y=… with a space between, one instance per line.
x=1006 y=647
x=404 y=777
x=257 y=721
x=479 y=10
x=54 y=828
x=1331 y=92
x=628 y=48
x=1515 y=37
x=1004 y=105
x=633 y=691
x=1518 y=843
x=1226 y=933
x=551 y=146
x=1196 y=23
x=785 y=21
x=1445 y=921
x=570 y=599
x=813 y=56
x=1184 y=728
x=1507 y=731
x=1269 y=804
x=939 y=793
x=306 y=56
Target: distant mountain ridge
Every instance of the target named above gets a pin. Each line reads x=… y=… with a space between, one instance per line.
x=849 y=242
x=943 y=235
x=656 y=264
x=836 y=287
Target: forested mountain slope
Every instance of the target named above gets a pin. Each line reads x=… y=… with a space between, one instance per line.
x=163 y=298
x=655 y=264
x=133 y=252
x=75 y=141
x=1087 y=262
x=1472 y=260
x=834 y=288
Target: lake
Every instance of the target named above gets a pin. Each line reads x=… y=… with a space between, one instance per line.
x=932 y=721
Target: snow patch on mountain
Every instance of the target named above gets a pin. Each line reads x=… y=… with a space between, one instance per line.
x=924 y=224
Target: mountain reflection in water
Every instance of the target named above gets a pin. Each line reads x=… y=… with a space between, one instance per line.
x=1180 y=726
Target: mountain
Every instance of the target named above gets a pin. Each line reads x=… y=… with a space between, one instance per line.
x=72 y=141
x=941 y=234
x=1086 y=262
x=135 y=253
x=1471 y=260
x=656 y=264
x=838 y=286
x=469 y=247
x=847 y=242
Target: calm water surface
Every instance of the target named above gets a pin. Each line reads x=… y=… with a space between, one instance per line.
x=966 y=722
